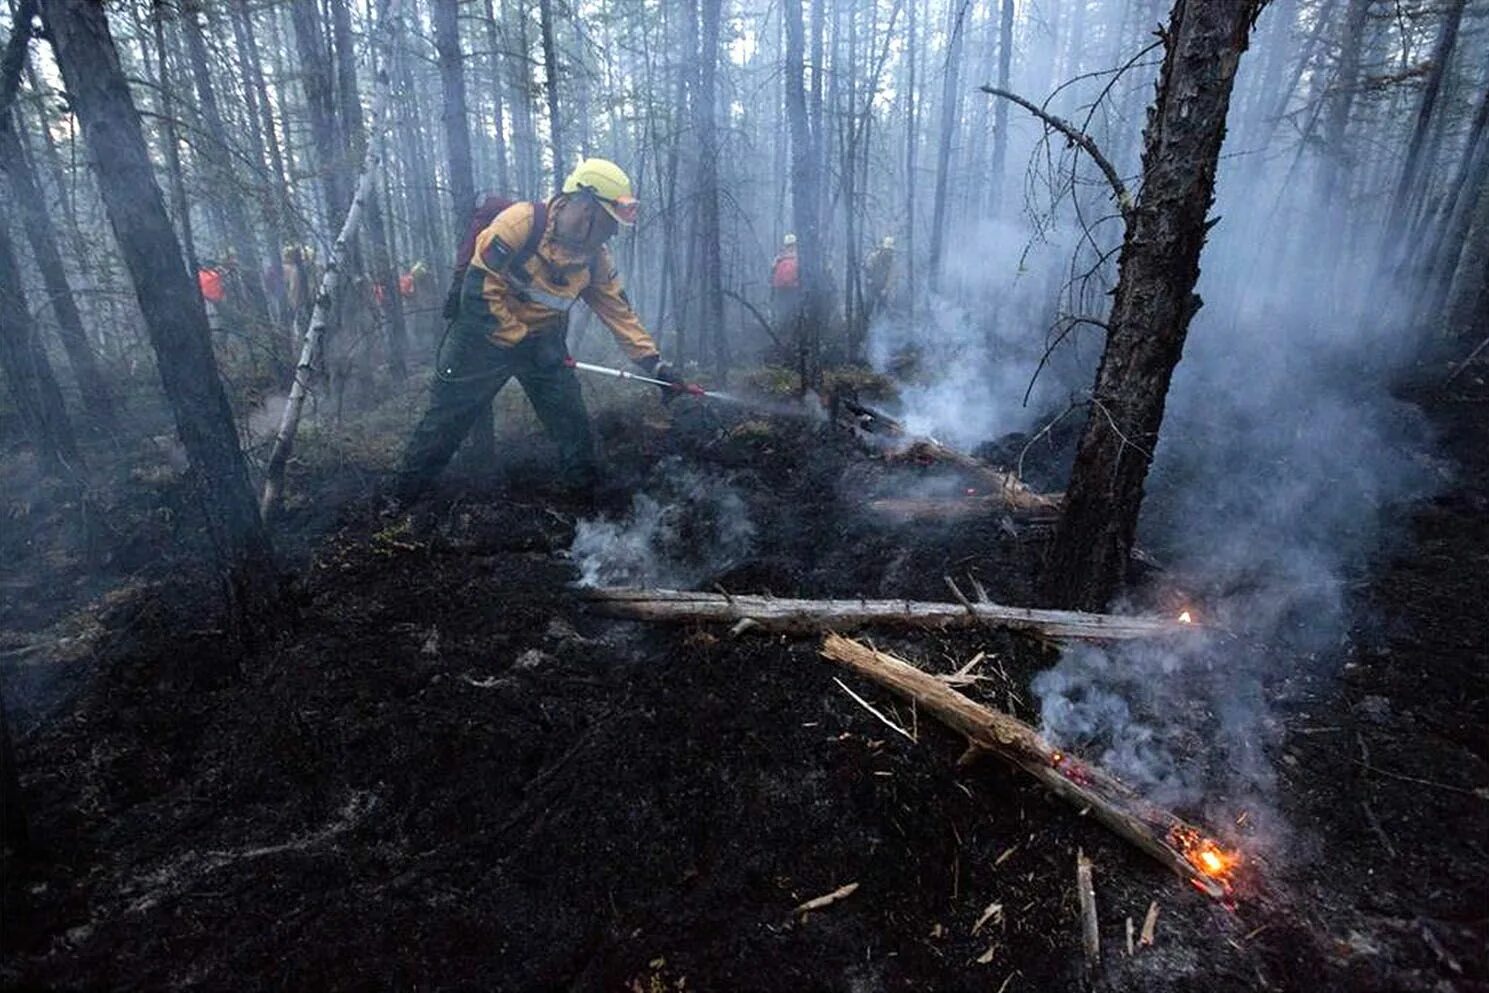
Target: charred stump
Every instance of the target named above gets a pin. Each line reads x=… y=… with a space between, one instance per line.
x=1154 y=300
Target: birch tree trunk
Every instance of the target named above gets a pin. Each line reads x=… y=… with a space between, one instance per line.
x=289 y=423
x=950 y=93
x=1154 y=300
x=704 y=116
x=174 y=314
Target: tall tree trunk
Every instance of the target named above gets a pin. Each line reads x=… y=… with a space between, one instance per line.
x=179 y=203
x=1407 y=187
x=1154 y=300
x=224 y=182
x=1465 y=313
x=174 y=314
x=98 y=399
x=805 y=197
x=1334 y=171
x=384 y=268
x=561 y=163
x=498 y=96
x=320 y=103
x=28 y=371
x=950 y=100
x=912 y=147
x=284 y=439
x=1000 y=113
x=704 y=114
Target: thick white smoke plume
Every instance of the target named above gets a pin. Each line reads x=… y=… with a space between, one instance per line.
x=684 y=527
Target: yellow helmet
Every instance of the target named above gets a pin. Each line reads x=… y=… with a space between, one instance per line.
x=609 y=184
x=790 y=239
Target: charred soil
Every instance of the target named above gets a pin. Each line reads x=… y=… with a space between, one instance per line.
x=441 y=773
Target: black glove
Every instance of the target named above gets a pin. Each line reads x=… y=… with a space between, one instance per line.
x=451 y=308
x=675 y=383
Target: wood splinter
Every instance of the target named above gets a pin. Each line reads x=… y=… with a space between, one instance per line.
x=1085 y=891
x=827 y=899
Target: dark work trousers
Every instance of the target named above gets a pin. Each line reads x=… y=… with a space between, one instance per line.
x=470 y=370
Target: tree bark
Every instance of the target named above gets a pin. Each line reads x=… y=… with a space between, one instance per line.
x=805 y=198
x=28 y=371
x=179 y=203
x=98 y=398
x=1442 y=53
x=705 y=121
x=284 y=439
x=561 y=163
x=1154 y=300
x=950 y=101
x=174 y=314
x=224 y=182
x=1169 y=840
x=1000 y=112
x=816 y=616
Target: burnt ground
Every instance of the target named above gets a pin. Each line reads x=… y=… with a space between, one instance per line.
x=438 y=771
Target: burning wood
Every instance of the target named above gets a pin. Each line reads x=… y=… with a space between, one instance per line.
x=816 y=616
x=1182 y=847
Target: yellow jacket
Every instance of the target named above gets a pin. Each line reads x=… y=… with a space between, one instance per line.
x=540 y=292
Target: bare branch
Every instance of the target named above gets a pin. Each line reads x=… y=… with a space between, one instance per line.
x=1078 y=138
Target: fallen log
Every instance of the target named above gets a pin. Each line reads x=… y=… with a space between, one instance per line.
x=956 y=508
x=1173 y=842
x=1006 y=487
x=816 y=616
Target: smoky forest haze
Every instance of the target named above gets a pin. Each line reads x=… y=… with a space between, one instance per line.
x=665 y=495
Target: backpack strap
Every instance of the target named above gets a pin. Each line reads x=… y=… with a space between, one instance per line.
x=534 y=237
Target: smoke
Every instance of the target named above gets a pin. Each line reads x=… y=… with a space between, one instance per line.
x=964 y=366
x=685 y=526
x=1282 y=459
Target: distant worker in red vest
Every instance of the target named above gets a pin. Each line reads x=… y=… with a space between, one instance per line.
x=785 y=285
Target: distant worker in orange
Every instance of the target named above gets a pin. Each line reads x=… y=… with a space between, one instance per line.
x=785 y=285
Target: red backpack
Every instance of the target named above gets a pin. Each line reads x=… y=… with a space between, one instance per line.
x=486 y=211
x=783 y=274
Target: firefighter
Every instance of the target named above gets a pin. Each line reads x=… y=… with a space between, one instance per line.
x=785 y=285
x=528 y=268
x=878 y=276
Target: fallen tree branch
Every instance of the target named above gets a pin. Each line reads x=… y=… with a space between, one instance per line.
x=956 y=508
x=1076 y=137
x=1182 y=847
x=816 y=616
x=1085 y=893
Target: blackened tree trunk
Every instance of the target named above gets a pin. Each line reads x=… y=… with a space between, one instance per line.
x=708 y=183
x=175 y=317
x=1154 y=300
x=498 y=96
x=28 y=372
x=1335 y=170
x=15 y=835
x=1407 y=187
x=98 y=399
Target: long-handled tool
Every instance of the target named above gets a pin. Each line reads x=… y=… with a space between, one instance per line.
x=692 y=389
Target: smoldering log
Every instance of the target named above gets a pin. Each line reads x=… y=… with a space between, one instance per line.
x=1183 y=848
x=956 y=508
x=1007 y=490
x=793 y=616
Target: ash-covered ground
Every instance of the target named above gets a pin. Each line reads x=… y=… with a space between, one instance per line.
x=438 y=771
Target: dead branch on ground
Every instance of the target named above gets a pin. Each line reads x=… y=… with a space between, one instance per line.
x=1182 y=847
x=794 y=616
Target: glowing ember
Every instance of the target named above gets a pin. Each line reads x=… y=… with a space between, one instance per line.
x=1184 y=618
x=1211 y=862
x=1056 y=758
